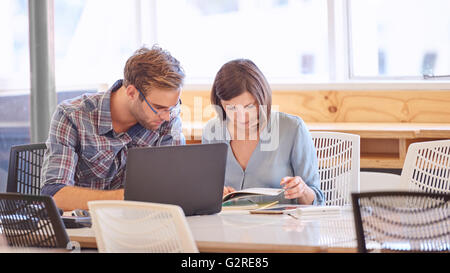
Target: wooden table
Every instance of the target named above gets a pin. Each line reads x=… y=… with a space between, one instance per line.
x=239 y=231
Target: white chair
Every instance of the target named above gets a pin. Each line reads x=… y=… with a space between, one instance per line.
x=338 y=160
x=427 y=167
x=377 y=181
x=128 y=226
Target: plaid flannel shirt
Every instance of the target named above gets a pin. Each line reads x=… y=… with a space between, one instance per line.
x=83 y=150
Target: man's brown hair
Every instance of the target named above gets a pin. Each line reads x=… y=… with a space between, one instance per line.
x=153 y=68
x=237 y=77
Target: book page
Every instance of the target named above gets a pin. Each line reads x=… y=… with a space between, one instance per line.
x=251 y=192
x=262 y=191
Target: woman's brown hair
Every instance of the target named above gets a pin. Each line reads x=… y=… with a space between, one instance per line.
x=237 y=77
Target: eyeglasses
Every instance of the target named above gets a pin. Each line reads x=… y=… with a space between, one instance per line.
x=173 y=111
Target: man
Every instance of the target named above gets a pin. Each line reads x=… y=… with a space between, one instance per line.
x=90 y=135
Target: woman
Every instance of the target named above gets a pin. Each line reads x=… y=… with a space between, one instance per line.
x=270 y=150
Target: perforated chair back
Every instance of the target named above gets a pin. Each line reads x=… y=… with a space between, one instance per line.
x=129 y=226
x=24 y=171
x=31 y=221
x=427 y=167
x=338 y=160
x=402 y=221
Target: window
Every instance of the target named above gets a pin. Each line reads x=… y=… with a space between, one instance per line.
x=286 y=39
x=93 y=40
x=14 y=80
x=402 y=38
x=14 y=50
x=74 y=70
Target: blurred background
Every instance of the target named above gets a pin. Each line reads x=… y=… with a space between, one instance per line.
x=293 y=42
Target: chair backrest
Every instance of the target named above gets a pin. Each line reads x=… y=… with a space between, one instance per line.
x=402 y=221
x=378 y=181
x=24 y=171
x=130 y=226
x=31 y=221
x=338 y=160
x=427 y=167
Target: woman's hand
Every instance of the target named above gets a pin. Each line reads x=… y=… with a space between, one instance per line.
x=295 y=187
x=227 y=190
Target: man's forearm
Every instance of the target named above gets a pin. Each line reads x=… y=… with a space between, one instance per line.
x=70 y=198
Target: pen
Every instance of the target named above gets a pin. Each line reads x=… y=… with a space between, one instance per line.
x=268 y=205
x=293 y=216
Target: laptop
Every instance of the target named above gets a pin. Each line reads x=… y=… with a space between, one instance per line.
x=190 y=176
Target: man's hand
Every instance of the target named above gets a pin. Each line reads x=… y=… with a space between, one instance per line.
x=71 y=198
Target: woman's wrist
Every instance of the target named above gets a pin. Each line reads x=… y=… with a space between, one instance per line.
x=308 y=197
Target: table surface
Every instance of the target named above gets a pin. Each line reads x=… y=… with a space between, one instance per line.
x=240 y=231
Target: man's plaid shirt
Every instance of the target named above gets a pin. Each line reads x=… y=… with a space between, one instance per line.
x=83 y=150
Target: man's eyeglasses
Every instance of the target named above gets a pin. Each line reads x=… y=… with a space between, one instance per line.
x=172 y=111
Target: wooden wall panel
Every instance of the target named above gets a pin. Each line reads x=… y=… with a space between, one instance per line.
x=387 y=121
x=353 y=106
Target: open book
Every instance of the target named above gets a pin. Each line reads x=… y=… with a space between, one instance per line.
x=251 y=192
